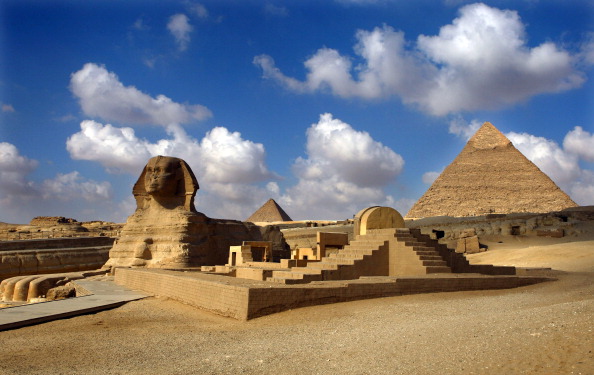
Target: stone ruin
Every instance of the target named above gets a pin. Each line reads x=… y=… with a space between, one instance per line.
x=166 y=231
x=51 y=220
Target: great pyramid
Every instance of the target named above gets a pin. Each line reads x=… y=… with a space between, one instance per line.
x=490 y=176
x=269 y=212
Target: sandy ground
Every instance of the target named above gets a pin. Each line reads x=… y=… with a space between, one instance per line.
x=540 y=329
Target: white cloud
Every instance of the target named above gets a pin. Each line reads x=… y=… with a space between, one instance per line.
x=117 y=149
x=199 y=10
x=227 y=158
x=179 y=26
x=479 y=61
x=560 y=164
x=587 y=50
x=139 y=25
x=22 y=198
x=345 y=171
x=101 y=94
x=229 y=168
x=274 y=10
x=7 y=108
x=69 y=186
x=581 y=143
x=464 y=130
x=14 y=169
x=429 y=177
x=220 y=157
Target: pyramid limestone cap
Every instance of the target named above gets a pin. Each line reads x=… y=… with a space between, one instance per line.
x=488 y=137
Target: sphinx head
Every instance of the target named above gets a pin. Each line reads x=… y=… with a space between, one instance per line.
x=166 y=182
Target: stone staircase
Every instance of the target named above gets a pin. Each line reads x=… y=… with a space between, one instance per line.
x=368 y=255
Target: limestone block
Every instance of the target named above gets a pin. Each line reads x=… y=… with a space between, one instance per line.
x=555 y=233
x=467 y=233
x=469 y=245
x=28 y=263
x=61 y=292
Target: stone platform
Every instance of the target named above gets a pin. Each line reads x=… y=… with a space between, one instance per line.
x=244 y=299
x=95 y=296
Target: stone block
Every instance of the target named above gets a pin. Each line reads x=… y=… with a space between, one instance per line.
x=555 y=233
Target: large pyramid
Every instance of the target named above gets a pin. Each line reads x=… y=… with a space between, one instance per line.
x=490 y=176
x=269 y=212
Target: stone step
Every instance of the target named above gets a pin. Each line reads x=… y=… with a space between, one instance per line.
x=424 y=248
x=365 y=244
x=430 y=257
x=281 y=280
x=330 y=266
x=352 y=253
x=432 y=253
x=414 y=243
x=304 y=270
x=287 y=275
x=438 y=269
x=347 y=261
x=437 y=263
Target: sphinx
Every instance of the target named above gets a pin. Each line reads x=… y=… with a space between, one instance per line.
x=165 y=231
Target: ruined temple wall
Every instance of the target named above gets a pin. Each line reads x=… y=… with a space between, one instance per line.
x=34 y=262
x=307 y=237
x=554 y=224
x=56 y=243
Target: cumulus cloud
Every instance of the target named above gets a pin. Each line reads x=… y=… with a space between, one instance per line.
x=561 y=164
x=458 y=126
x=228 y=167
x=14 y=169
x=21 y=198
x=66 y=187
x=101 y=94
x=581 y=143
x=221 y=156
x=179 y=26
x=429 y=177
x=345 y=171
x=479 y=61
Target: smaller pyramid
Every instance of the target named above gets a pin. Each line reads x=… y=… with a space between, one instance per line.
x=269 y=212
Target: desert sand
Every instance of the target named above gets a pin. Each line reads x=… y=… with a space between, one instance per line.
x=541 y=329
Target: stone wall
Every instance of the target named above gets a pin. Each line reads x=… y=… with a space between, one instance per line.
x=307 y=237
x=48 y=261
x=449 y=230
x=248 y=299
x=51 y=220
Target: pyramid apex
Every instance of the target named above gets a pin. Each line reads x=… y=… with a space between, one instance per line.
x=488 y=137
x=270 y=211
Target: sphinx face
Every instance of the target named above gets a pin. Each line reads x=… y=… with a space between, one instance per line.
x=162 y=175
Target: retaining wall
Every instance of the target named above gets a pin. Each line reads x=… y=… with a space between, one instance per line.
x=246 y=299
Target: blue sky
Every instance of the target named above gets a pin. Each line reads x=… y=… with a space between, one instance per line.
x=327 y=107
